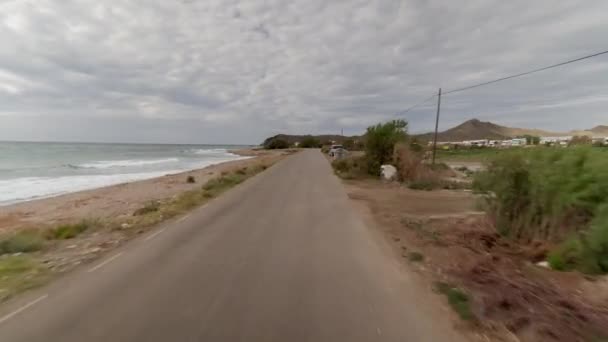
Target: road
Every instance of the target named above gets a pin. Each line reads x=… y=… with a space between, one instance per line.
x=282 y=257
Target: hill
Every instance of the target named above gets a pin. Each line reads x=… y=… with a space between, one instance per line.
x=324 y=138
x=475 y=130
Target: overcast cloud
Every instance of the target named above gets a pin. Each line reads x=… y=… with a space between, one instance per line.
x=237 y=71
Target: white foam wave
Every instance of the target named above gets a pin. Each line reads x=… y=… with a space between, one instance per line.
x=107 y=164
x=211 y=151
x=29 y=188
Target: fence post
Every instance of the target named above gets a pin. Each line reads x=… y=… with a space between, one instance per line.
x=436 y=125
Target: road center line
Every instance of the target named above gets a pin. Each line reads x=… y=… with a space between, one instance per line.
x=10 y=315
x=105 y=262
x=151 y=236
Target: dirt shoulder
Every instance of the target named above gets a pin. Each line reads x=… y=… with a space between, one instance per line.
x=494 y=287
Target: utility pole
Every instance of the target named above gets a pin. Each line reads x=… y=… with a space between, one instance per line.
x=436 y=125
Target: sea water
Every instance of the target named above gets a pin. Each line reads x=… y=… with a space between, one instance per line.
x=31 y=170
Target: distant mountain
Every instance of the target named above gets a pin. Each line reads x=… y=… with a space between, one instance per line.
x=469 y=130
x=476 y=130
x=601 y=130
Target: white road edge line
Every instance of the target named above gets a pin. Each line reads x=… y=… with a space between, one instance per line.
x=151 y=236
x=104 y=263
x=16 y=312
x=183 y=218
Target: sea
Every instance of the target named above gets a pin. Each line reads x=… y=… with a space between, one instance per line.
x=33 y=170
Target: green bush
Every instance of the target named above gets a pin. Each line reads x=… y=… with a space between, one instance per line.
x=458 y=300
x=380 y=141
x=310 y=142
x=22 y=242
x=190 y=179
x=552 y=194
x=275 y=144
x=67 y=231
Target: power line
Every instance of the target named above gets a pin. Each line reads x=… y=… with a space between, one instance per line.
x=416 y=105
x=527 y=72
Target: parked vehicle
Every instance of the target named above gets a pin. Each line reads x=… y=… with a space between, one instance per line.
x=337 y=151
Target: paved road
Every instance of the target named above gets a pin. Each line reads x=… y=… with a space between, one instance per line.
x=282 y=257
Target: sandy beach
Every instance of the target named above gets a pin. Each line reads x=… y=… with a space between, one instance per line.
x=117 y=201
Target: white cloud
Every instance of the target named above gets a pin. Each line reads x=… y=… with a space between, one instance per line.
x=252 y=68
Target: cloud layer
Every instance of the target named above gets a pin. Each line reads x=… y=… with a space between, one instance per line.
x=236 y=71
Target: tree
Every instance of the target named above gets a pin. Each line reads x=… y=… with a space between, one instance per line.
x=380 y=142
x=310 y=142
x=580 y=140
x=276 y=144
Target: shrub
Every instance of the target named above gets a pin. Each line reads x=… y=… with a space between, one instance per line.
x=310 y=142
x=458 y=300
x=190 y=179
x=552 y=194
x=408 y=163
x=149 y=207
x=67 y=231
x=415 y=257
x=350 y=167
x=276 y=144
x=22 y=242
x=380 y=142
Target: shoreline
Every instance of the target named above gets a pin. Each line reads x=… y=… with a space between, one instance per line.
x=118 y=200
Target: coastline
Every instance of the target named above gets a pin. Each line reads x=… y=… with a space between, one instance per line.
x=119 y=200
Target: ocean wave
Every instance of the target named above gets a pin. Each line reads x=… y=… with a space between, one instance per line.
x=210 y=151
x=107 y=164
x=29 y=188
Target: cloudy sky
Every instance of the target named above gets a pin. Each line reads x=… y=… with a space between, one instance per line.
x=225 y=71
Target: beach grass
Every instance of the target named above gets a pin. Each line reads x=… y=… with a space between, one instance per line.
x=158 y=211
x=19 y=273
x=68 y=231
x=22 y=242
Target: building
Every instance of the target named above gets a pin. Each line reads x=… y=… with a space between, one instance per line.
x=555 y=140
x=519 y=142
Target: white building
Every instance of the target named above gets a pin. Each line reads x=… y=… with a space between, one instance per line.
x=555 y=140
x=519 y=142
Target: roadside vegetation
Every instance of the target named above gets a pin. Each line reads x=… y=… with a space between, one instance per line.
x=544 y=205
x=554 y=195
x=458 y=300
x=389 y=143
x=473 y=154
x=157 y=211
x=19 y=273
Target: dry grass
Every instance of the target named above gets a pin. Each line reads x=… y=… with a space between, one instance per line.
x=19 y=273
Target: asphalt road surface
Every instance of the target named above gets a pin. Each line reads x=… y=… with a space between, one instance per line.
x=283 y=257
